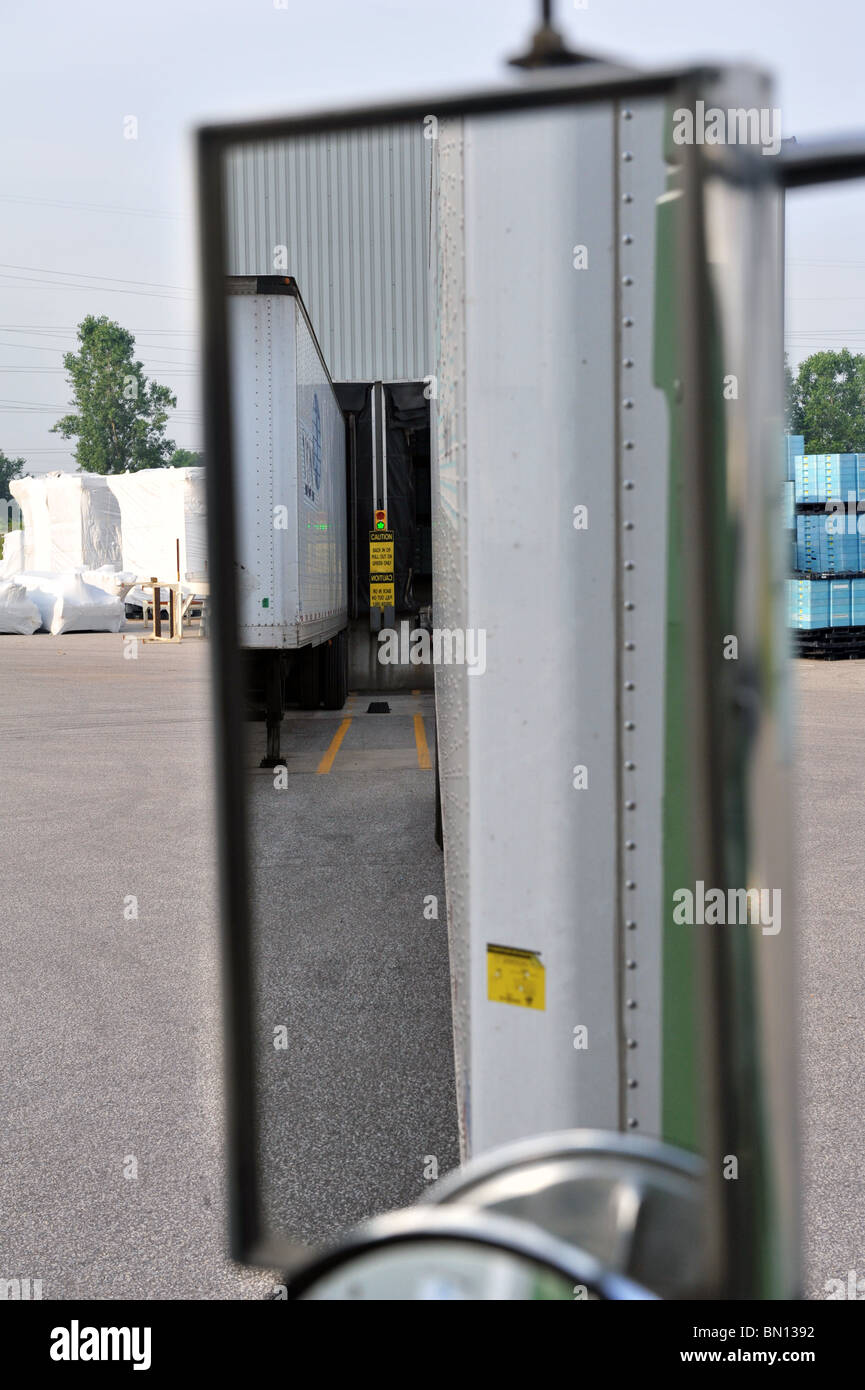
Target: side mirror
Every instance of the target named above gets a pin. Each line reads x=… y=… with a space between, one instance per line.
x=461 y=1254
x=583 y=1214
x=616 y=773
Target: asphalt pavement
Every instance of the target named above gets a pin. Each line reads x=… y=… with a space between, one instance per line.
x=354 y=1044
x=112 y=1180
x=110 y=1090
x=830 y=808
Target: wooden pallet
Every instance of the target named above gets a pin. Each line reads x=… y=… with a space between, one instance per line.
x=830 y=643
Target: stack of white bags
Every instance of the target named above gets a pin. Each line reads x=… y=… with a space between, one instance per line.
x=18 y=613
x=86 y=541
x=65 y=603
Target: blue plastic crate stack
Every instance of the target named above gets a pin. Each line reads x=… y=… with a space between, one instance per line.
x=827 y=550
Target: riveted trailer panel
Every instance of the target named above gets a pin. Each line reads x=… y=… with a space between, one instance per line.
x=535 y=407
x=588 y=447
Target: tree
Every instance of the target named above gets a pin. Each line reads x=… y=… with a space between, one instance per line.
x=791 y=399
x=185 y=458
x=9 y=469
x=10 y=518
x=119 y=416
x=829 y=406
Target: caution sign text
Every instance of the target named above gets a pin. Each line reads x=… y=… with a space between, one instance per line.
x=381 y=590
x=380 y=552
x=515 y=977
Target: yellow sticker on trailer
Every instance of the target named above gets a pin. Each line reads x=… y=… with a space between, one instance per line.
x=380 y=552
x=516 y=977
x=381 y=588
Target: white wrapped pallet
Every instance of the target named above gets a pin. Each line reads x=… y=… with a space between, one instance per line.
x=13 y=554
x=18 y=612
x=113 y=581
x=67 y=604
x=158 y=508
x=84 y=522
x=31 y=496
x=71 y=521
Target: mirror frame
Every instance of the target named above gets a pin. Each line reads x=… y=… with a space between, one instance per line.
x=589 y=83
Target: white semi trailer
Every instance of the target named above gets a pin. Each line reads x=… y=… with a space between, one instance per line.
x=575 y=772
x=290 y=457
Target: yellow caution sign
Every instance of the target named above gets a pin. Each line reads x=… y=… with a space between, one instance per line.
x=381 y=590
x=380 y=552
x=515 y=977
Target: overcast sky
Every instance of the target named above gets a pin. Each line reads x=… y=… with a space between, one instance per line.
x=96 y=223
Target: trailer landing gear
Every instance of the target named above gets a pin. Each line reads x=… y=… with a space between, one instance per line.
x=334 y=671
x=309 y=677
x=319 y=676
x=274 y=704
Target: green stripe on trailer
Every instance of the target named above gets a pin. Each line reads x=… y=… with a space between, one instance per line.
x=679 y=1114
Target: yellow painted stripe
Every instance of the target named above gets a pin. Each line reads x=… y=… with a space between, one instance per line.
x=327 y=761
x=423 y=757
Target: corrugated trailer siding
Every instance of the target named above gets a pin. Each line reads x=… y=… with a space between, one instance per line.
x=353 y=211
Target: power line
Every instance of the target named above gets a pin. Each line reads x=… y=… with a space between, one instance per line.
x=173 y=369
x=40 y=449
x=88 y=207
x=92 y=289
x=50 y=347
x=841 y=265
x=73 y=328
x=89 y=275
x=27 y=407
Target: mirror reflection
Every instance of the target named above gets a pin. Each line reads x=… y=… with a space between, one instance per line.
x=471 y=576
x=443 y=1271
x=328 y=321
